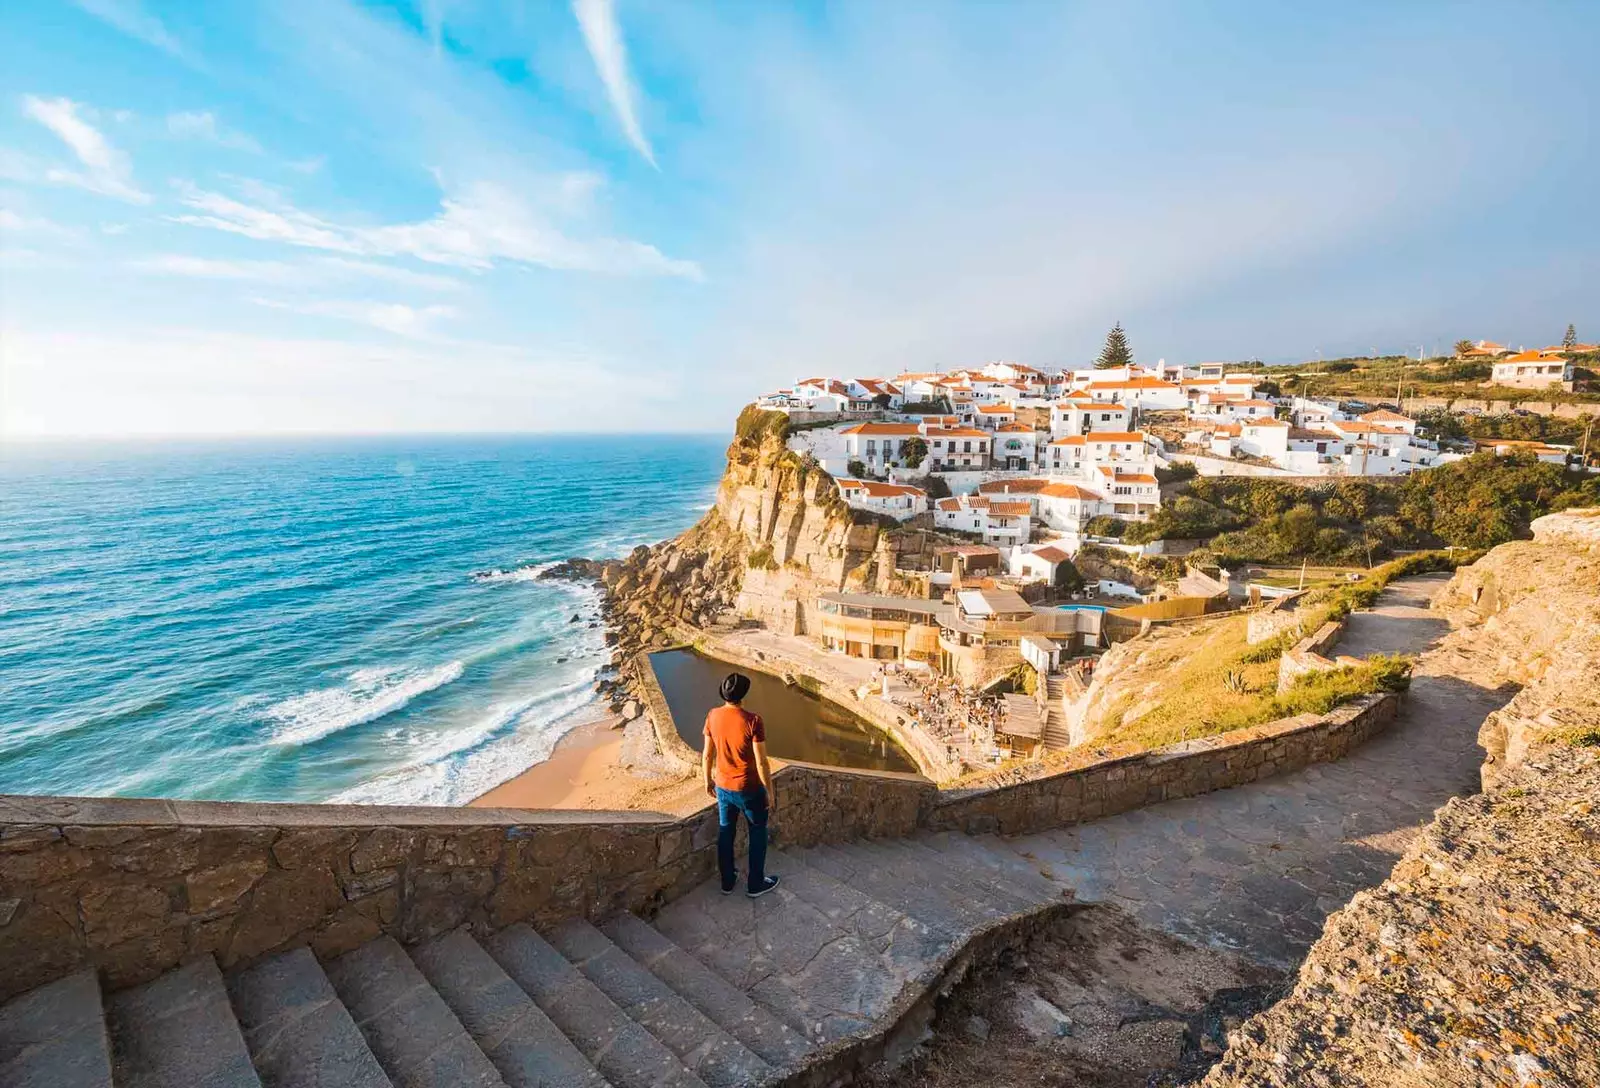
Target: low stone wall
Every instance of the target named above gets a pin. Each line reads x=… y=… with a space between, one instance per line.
x=1310 y=654
x=1113 y=780
x=133 y=887
x=1273 y=620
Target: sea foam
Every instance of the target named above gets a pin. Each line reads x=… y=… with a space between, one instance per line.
x=366 y=696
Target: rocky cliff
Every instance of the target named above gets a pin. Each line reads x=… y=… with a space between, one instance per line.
x=1478 y=960
x=778 y=534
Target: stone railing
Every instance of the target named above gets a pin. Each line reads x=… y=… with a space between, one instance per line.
x=1310 y=654
x=1120 y=778
x=133 y=887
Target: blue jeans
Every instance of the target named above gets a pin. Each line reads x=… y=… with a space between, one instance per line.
x=753 y=803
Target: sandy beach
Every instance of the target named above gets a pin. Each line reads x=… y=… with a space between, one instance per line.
x=583 y=772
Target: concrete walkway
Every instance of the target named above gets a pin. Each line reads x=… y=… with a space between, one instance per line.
x=1258 y=868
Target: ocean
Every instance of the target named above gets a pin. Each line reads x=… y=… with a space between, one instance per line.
x=353 y=620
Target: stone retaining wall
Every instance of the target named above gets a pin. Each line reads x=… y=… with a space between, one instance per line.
x=1128 y=779
x=134 y=887
x=1274 y=619
x=1310 y=654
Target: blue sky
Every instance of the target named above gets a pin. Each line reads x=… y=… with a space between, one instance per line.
x=444 y=215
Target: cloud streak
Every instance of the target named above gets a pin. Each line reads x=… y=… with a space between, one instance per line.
x=105 y=169
x=203 y=125
x=130 y=17
x=483 y=225
x=395 y=317
x=312 y=272
x=597 y=19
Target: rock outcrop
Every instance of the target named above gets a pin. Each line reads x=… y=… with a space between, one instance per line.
x=1478 y=960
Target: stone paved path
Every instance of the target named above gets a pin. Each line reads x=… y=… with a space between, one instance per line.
x=1258 y=868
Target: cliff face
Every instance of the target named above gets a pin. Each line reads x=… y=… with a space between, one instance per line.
x=1478 y=960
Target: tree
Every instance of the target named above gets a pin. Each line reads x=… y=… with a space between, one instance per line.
x=1068 y=580
x=1116 y=352
x=913 y=451
x=883 y=400
x=857 y=469
x=1463 y=346
x=1571 y=339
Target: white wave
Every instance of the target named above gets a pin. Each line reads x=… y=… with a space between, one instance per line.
x=366 y=696
x=468 y=763
x=527 y=573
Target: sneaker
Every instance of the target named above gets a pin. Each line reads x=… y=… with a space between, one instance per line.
x=729 y=889
x=766 y=886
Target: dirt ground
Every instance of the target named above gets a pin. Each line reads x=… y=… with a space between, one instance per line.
x=1098 y=1002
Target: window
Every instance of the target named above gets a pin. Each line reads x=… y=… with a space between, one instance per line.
x=872 y=446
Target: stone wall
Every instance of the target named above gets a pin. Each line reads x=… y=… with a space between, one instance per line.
x=1310 y=655
x=1124 y=778
x=134 y=887
x=1274 y=619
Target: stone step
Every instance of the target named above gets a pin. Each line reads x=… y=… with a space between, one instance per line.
x=715 y=1056
x=904 y=939
x=989 y=854
x=417 y=1039
x=624 y=1052
x=759 y=1030
x=299 y=1033
x=954 y=916
x=515 y=1034
x=980 y=883
x=55 y=1036
x=179 y=1031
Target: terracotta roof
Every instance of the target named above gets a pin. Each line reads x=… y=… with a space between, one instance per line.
x=1051 y=554
x=1262 y=423
x=1526 y=357
x=1009 y=508
x=1015 y=428
x=997 y=409
x=1013 y=487
x=1134 y=383
x=949 y=504
x=1383 y=415
x=1069 y=440
x=1068 y=491
x=1255 y=404
x=906 y=429
x=1126 y=477
x=1114 y=436
x=877 y=490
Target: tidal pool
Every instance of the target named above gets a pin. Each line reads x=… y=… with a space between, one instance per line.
x=800 y=725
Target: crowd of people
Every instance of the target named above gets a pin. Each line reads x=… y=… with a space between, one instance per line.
x=966 y=721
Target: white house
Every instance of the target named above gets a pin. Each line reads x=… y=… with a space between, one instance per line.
x=957 y=448
x=899 y=501
x=1002 y=523
x=1016 y=447
x=1038 y=563
x=1149 y=393
x=1068 y=506
x=1130 y=493
x=1267 y=438
x=1246 y=409
x=1550 y=455
x=1532 y=370
x=992 y=417
x=1080 y=414
x=878 y=445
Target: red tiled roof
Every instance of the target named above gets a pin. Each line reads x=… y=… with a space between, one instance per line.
x=1068 y=491
x=1051 y=554
x=1013 y=487
x=906 y=429
x=1114 y=436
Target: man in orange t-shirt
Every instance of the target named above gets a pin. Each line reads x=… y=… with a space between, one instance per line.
x=734 y=770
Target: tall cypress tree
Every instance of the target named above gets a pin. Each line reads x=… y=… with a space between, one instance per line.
x=1571 y=338
x=1116 y=352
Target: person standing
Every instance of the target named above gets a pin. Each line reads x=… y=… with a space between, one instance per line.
x=734 y=770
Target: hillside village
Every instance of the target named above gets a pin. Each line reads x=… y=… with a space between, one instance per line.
x=1027 y=482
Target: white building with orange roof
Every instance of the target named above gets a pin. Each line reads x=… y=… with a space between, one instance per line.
x=1143 y=391
x=1016 y=447
x=877 y=445
x=1387 y=417
x=1067 y=507
x=1486 y=349
x=1079 y=413
x=896 y=500
x=1002 y=522
x=1533 y=370
x=991 y=417
x=952 y=449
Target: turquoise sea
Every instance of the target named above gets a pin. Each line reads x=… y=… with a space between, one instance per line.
x=312 y=620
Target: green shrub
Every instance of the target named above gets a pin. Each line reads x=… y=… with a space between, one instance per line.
x=762 y=559
x=755 y=425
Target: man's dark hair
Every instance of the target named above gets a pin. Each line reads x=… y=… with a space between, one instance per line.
x=735 y=686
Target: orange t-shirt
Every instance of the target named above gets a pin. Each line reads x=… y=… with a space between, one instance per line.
x=733 y=732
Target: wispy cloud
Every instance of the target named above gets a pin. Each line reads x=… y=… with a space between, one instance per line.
x=481 y=226
x=130 y=17
x=395 y=317
x=105 y=169
x=14 y=222
x=311 y=272
x=203 y=125
x=601 y=33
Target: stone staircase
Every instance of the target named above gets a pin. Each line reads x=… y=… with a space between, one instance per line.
x=798 y=987
x=1056 y=735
